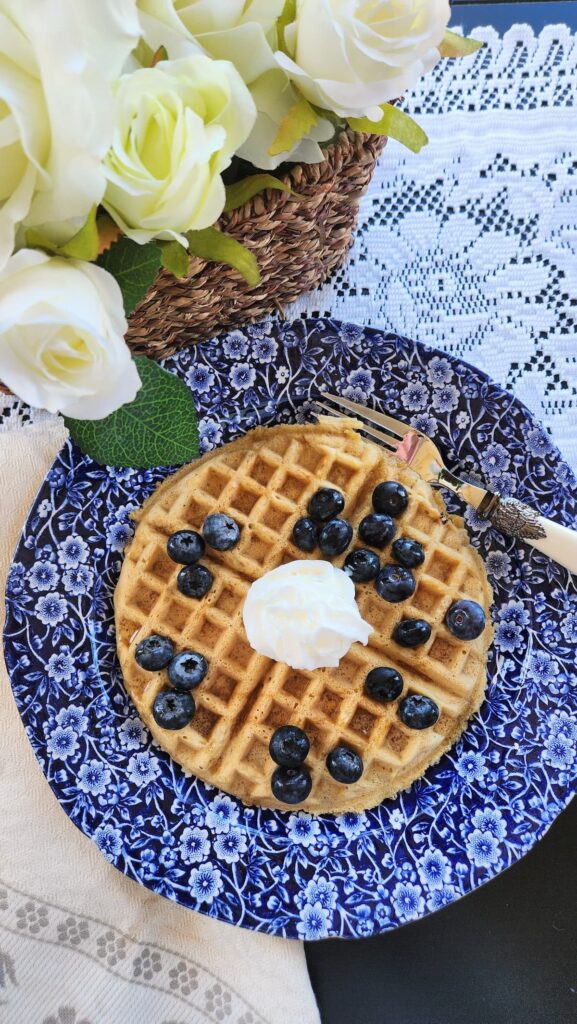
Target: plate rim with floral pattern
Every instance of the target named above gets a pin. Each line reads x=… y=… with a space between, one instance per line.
x=477 y=811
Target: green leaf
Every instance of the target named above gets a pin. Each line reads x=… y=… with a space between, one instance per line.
x=454 y=45
x=134 y=266
x=175 y=258
x=396 y=125
x=299 y=120
x=288 y=15
x=82 y=246
x=159 y=428
x=143 y=53
x=240 y=193
x=218 y=247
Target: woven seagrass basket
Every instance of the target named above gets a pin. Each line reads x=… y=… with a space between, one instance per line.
x=297 y=242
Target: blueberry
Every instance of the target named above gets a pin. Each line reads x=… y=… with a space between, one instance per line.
x=220 y=532
x=418 y=712
x=408 y=552
x=465 y=619
x=344 y=764
x=172 y=710
x=377 y=530
x=194 y=580
x=411 y=632
x=306 y=534
x=289 y=746
x=326 y=503
x=384 y=684
x=362 y=565
x=187 y=670
x=154 y=652
x=390 y=498
x=335 y=537
x=395 y=583
x=291 y=785
x=186 y=547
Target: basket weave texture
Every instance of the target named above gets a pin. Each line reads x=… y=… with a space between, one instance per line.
x=298 y=242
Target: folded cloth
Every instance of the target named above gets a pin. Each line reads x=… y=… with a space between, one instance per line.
x=79 y=942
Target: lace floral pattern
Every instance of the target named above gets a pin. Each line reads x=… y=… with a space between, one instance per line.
x=471 y=245
x=474 y=813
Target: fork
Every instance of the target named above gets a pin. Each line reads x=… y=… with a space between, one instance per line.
x=508 y=515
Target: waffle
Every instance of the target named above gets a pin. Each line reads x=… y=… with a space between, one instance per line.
x=264 y=480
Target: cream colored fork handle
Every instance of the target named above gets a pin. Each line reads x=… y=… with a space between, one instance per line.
x=556 y=541
x=559 y=543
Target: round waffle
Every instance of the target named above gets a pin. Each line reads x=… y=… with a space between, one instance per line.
x=264 y=480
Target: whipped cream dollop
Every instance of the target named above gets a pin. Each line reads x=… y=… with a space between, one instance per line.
x=304 y=614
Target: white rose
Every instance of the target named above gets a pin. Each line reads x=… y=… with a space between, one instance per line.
x=350 y=57
x=177 y=127
x=226 y=29
x=56 y=59
x=246 y=34
x=62 y=328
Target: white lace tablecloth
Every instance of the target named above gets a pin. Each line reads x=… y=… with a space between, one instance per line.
x=470 y=246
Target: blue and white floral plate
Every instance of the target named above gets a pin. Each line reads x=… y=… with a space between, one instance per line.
x=476 y=812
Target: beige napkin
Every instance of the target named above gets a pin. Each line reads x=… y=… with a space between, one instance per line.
x=79 y=942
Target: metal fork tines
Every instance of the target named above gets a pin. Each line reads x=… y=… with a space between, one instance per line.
x=388 y=440
x=404 y=441
x=390 y=425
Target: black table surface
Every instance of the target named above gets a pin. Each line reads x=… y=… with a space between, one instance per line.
x=503 y=14
x=506 y=954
